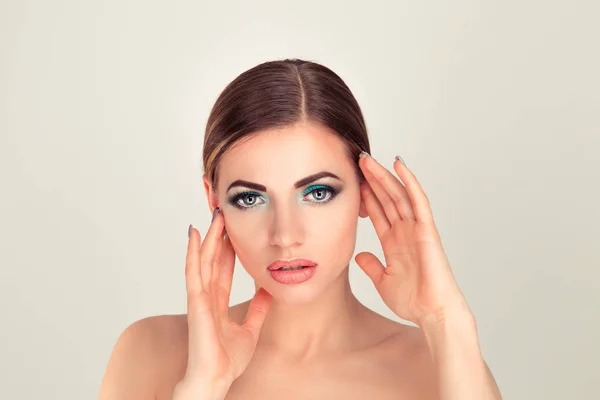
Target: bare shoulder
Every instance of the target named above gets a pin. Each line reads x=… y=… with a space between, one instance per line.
x=148 y=359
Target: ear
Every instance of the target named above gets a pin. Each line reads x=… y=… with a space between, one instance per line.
x=362 y=211
x=211 y=196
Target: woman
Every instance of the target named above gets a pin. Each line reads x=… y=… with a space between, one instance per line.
x=287 y=173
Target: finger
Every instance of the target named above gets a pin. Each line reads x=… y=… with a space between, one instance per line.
x=193 y=278
x=226 y=275
x=371 y=265
x=214 y=281
x=391 y=211
x=375 y=210
x=199 y=309
x=257 y=312
x=209 y=248
x=419 y=200
x=389 y=189
x=216 y=265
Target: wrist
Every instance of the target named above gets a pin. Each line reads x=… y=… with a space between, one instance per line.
x=450 y=332
x=213 y=390
x=449 y=318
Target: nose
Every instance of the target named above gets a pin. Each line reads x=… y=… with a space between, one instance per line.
x=287 y=230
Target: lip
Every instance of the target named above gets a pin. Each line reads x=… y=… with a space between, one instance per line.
x=293 y=276
x=275 y=265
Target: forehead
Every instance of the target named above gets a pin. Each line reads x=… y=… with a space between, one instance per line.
x=286 y=154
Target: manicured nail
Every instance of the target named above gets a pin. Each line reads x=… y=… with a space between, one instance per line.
x=189 y=231
x=364 y=154
x=215 y=212
x=400 y=159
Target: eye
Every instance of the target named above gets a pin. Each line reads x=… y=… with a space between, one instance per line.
x=320 y=193
x=245 y=200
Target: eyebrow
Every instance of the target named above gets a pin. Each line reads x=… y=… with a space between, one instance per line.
x=298 y=184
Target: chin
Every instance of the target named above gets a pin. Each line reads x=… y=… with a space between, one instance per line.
x=292 y=295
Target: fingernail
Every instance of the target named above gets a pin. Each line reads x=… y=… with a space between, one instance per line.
x=363 y=154
x=189 y=231
x=400 y=159
x=215 y=211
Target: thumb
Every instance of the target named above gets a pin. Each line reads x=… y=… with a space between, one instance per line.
x=371 y=265
x=257 y=311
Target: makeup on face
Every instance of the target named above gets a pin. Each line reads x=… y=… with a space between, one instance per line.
x=293 y=271
x=317 y=193
x=293 y=276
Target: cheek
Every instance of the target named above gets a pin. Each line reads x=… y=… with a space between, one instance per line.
x=336 y=229
x=246 y=238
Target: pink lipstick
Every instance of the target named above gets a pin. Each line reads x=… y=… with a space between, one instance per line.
x=293 y=271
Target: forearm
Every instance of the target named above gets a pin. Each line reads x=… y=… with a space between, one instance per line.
x=462 y=373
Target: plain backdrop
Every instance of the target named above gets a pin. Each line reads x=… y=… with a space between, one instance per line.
x=494 y=105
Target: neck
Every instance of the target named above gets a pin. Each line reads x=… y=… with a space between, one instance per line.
x=324 y=325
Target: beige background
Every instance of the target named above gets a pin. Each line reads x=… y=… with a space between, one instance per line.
x=493 y=104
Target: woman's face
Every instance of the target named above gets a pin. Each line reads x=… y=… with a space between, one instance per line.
x=283 y=220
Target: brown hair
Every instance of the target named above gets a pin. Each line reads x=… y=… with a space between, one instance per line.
x=276 y=94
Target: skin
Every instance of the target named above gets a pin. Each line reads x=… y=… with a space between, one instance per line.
x=315 y=339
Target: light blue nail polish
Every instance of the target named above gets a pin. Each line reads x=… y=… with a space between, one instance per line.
x=364 y=154
x=400 y=159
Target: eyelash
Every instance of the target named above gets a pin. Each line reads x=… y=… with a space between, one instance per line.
x=235 y=198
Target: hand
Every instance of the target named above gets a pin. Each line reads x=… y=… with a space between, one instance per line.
x=219 y=350
x=417 y=283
